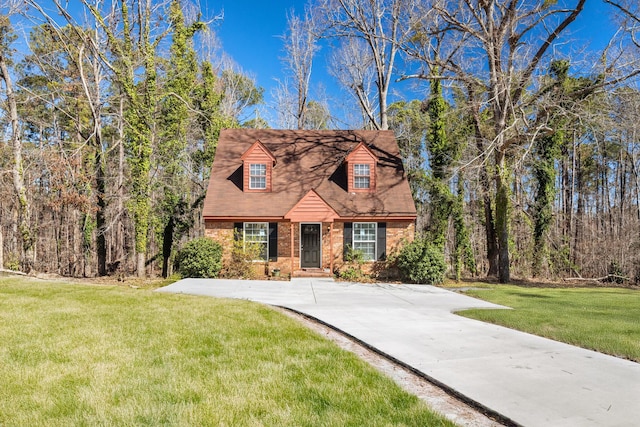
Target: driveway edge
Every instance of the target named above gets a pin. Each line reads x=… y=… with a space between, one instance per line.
x=488 y=412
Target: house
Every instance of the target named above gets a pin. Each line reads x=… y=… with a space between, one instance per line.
x=305 y=196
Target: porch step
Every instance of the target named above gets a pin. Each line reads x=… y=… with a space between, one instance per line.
x=312 y=272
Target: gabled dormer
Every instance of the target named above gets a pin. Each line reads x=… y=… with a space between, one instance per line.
x=312 y=208
x=257 y=166
x=361 y=169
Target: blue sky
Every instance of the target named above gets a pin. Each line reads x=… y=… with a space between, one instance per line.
x=249 y=34
x=250 y=29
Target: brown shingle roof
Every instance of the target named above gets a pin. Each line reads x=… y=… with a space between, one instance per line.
x=307 y=160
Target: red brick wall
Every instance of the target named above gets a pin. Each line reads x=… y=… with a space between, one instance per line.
x=398 y=232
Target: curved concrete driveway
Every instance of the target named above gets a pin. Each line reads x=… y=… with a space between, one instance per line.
x=530 y=380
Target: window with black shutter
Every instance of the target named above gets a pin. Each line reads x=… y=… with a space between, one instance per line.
x=381 y=249
x=348 y=237
x=273 y=241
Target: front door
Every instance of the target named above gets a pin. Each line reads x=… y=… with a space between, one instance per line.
x=310 y=245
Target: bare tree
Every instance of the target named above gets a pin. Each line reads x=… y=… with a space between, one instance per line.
x=80 y=44
x=240 y=94
x=352 y=65
x=630 y=17
x=381 y=28
x=285 y=105
x=300 y=46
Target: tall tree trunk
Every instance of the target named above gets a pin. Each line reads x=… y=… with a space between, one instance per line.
x=86 y=246
x=140 y=264
x=463 y=250
x=502 y=217
x=167 y=245
x=95 y=103
x=566 y=193
x=24 y=228
x=101 y=223
x=485 y=188
x=490 y=225
x=120 y=255
x=1 y=243
x=577 y=237
x=575 y=162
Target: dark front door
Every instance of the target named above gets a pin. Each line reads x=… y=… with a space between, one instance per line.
x=310 y=257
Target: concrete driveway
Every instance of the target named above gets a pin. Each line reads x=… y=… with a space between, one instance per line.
x=530 y=380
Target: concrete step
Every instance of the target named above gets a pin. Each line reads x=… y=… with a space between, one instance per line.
x=312 y=272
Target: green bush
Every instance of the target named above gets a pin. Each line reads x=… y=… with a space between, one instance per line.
x=350 y=274
x=201 y=257
x=352 y=268
x=615 y=274
x=240 y=265
x=12 y=261
x=422 y=262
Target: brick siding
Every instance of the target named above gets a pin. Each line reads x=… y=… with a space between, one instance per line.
x=398 y=233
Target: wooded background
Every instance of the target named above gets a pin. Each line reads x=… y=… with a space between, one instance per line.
x=523 y=158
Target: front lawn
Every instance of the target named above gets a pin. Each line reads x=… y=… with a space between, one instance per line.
x=98 y=355
x=602 y=319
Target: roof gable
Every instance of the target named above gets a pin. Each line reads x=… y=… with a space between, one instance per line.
x=306 y=159
x=311 y=208
x=360 y=152
x=258 y=149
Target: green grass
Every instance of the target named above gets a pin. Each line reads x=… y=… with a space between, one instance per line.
x=100 y=355
x=602 y=319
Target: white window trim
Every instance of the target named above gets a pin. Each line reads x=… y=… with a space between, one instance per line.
x=375 y=239
x=251 y=187
x=355 y=176
x=244 y=239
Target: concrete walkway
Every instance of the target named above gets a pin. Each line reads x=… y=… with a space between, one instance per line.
x=530 y=380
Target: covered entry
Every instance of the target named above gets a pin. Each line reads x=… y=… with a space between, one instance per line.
x=311 y=212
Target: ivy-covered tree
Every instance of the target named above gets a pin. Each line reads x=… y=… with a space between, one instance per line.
x=564 y=92
x=441 y=154
x=444 y=152
x=132 y=61
x=171 y=150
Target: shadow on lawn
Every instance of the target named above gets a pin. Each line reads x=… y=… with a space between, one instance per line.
x=563 y=284
x=528 y=295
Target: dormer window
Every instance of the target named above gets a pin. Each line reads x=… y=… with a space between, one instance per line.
x=258 y=176
x=361 y=169
x=361 y=176
x=257 y=164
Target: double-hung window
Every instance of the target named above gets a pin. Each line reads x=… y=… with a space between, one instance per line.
x=364 y=239
x=257 y=176
x=361 y=176
x=257 y=233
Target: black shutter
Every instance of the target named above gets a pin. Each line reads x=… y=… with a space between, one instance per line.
x=237 y=230
x=273 y=241
x=381 y=247
x=348 y=237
